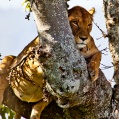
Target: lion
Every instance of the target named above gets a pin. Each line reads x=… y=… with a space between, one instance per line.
x=4 y=69
x=81 y=25
x=32 y=74
x=27 y=84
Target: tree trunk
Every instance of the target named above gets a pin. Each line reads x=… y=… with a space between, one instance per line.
x=65 y=70
x=111 y=10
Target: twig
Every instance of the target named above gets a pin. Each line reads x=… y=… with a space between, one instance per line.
x=105 y=67
x=0 y=56
x=103 y=33
x=111 y=80
x=99 y=38
x=105 y=49
x=28 y=15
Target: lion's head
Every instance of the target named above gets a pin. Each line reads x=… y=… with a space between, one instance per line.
x=81 y=24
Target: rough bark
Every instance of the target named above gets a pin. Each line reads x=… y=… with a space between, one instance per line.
x=97 y=106
x=65 y=70
x=111 y=10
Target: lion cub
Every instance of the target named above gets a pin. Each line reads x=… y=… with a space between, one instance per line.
x=81 y=24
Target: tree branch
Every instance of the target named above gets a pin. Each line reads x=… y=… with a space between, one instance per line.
x=111 y=10
x=56 y=38
x=97 y=104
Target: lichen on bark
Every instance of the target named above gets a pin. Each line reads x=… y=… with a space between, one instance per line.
x=56 y=37
x=111 y=10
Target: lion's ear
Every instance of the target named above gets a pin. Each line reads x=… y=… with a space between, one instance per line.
x=92 y=11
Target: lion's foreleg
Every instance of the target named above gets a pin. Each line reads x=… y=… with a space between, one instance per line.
x=93 y=66
x=38 y=108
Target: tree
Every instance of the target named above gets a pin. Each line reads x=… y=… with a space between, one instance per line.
x=94 y=98
x=111 y=10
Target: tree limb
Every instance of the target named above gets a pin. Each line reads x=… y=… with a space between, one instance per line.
x=97 y=106
x=111 y=10
x=56 y=39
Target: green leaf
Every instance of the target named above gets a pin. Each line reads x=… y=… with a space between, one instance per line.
x=28 y=7
x=6 y=111
x=25 y=1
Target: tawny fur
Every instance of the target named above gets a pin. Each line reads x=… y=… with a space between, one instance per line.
x=4 y=69
x=81 y=25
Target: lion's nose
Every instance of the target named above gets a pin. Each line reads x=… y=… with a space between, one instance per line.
x=83 y=38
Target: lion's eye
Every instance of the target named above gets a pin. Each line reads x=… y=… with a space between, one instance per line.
x=89 y=25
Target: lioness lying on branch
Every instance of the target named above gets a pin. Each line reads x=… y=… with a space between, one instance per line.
x=26 y=72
